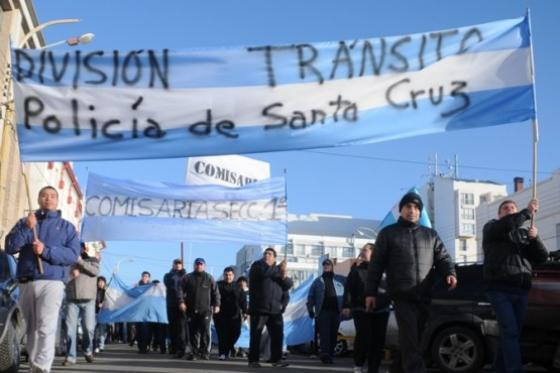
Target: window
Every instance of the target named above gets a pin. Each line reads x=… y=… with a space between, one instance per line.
x=316 y=250
x=292 y=259
x=467 y=199
x=467 y=229
x=467 y=213
x=348 y=252
x=331 y=251
x=290 y=249
x=463 y=245
x=299 y=249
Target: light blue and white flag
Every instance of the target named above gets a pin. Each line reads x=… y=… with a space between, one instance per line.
x=298 y=327
x=92 y=105
x=125 y=303
x=130 y=210
x=393 y=215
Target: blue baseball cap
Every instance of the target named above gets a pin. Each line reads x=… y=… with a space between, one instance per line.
x=199 y=260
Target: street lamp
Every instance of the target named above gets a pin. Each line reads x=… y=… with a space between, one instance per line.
x=73 y=41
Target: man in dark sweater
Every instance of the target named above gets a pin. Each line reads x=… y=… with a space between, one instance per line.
x=410 y=254
x=324 y=305
x=198 y=296
x=178 y=329
x=233 y=306
x=268 y=284
x=509 y=250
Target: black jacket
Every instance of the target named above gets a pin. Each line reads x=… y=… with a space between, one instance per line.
x=266 y=289
x=508 y=252
x=172 y=281
x=355 y=290
x=99 y=298
x=199 y=292
x=233 y=300
x=410 y=254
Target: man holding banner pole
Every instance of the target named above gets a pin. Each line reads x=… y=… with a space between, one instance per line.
x=41 y=295
x=268 y=284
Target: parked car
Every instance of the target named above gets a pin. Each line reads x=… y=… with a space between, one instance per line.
x=12 y=325
x=461 y=332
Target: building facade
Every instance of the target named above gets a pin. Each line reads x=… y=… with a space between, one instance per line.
x=451 y=204
x=547 y=219
x=17 y=19
x=311 y=237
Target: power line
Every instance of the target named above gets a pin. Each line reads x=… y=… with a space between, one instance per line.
x=423 y=163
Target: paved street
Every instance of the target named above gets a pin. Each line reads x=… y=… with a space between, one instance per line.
x=122 y=358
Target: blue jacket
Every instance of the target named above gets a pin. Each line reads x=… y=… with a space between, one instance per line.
x=316 y=295
x=62 y=247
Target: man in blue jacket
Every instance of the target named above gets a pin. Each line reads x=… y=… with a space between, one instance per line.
x=324 y=304
x=57 y=245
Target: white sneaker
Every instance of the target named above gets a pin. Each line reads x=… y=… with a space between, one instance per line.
x=222 y=357
x=96 y=350
x=358 y=370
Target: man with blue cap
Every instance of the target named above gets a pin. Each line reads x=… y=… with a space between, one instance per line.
x=198 y=297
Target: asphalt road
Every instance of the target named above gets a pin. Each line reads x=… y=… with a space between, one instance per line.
x=123 y=358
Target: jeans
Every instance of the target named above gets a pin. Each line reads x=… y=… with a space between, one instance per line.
x=510 y=308
x=328 y=321
x=100 y=335
x=75 y=310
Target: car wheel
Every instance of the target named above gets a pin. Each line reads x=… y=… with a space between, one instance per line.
x=340 y=348
x=9 y=350
x=458 y=349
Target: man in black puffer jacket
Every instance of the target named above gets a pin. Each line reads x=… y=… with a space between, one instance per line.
x=268 y=286
x=178 y=329
x=410 y=254
x=233 y=306
x=199 y=297
x=509 y=251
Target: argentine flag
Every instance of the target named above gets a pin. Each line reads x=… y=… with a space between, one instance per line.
x=125 y=303
x=393 y=215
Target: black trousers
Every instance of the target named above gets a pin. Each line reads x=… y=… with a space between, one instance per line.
x=228 y=328
x=143 y=335
x=199 y=327
x=371 y=329
x=178 y=329
x=328 y=321
x=411 y=317
x=275 y=326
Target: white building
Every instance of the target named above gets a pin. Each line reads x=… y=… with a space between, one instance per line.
x=451 y=204
x=547 y=219
x=310 y=237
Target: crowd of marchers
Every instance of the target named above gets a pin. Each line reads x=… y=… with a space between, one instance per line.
x=397 y=272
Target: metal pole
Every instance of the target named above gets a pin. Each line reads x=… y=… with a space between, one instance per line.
x=535 y=120
x=286 y=194
x=182 y=252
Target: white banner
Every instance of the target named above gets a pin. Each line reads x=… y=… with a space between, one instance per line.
x=228 y=170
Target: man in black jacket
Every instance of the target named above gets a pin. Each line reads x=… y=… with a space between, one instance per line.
x=233 y=306
x=409 y=253
x=267 y=293
x=509 y=251
x=178 y=329
x=198 y=296
x=371 y=327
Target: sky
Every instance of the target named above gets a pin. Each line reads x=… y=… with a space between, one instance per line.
x=361 y=181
